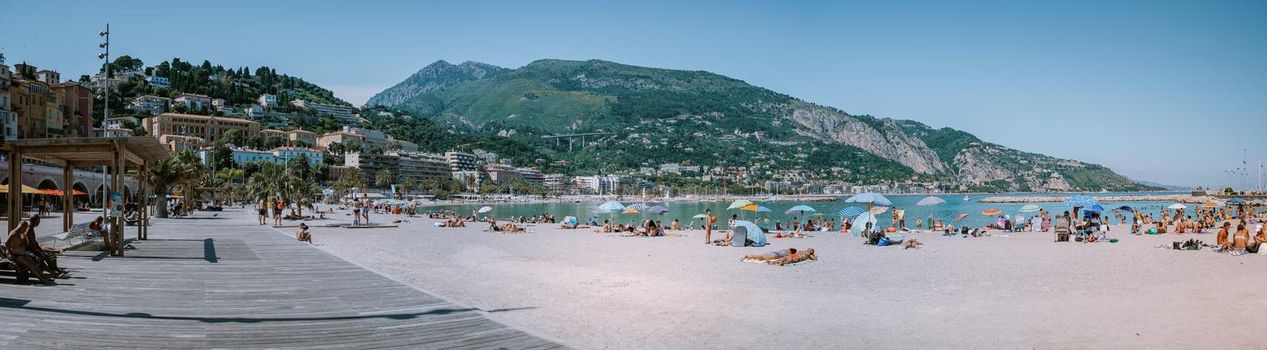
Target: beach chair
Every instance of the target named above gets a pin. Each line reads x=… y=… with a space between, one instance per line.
x=80 y=231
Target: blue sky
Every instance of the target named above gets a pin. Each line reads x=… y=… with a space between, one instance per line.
x=1158 y=90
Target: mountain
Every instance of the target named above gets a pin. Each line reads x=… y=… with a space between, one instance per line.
x=649 y=116
x=433 y=77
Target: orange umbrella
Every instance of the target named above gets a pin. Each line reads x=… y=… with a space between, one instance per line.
x=991 y=212
x=78 y=193
x=52 y=192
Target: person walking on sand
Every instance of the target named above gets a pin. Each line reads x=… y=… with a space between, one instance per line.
x=709 y=220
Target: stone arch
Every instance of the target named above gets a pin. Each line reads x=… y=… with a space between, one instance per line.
x=47 y=184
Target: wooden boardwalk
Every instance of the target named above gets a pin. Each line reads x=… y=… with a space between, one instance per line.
x=224 y=282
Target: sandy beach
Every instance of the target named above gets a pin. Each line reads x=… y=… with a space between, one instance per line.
x=601 y=291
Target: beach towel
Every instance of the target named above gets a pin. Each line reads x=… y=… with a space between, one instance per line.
x=755 y=261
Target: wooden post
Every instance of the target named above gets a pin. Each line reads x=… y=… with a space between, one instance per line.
x=15 y=190
x=142 y=230
x=116 y=185
x=68 y=197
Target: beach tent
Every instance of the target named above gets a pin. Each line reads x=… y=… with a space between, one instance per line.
x=849 y=212
x=860 y=223
x=799 y=208
x=1030 y=208
x=485 y=209
x=611 y=206
x=930 y=201
x=751 y=232
x=1177 y=206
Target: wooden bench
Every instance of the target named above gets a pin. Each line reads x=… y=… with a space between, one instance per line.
x=9 y=268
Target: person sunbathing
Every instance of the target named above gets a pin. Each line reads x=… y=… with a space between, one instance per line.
x=511 y=228
x=675 y=225
x=938 y=226
x=1221 y=239
x=302 y=234
x=912 y=244
x=782 y=257
x=1241 y=239
x=17 y=250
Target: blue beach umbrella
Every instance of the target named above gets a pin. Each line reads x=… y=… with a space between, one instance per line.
x=1095 y=207
x=1126 y=208
x=801 y=208
x=1030 y=208
x=930 y=201
x=611 y=206
x=1081 y=200
x=762 y=209
x=1236 y=201
x=850 y=212
x=870 y=198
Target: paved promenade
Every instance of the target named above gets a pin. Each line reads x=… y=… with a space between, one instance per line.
x=224 y=282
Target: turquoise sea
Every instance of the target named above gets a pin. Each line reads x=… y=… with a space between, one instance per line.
x=947 y=212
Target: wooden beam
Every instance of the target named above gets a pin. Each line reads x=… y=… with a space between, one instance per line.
x=68 y=198
x=130 y=157
x=15 y=190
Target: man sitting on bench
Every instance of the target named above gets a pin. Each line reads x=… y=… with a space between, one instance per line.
x=18 y=250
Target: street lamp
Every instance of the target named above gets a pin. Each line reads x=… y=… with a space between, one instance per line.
x=105 y=56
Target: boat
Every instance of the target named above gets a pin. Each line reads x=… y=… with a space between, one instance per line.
x=967 y=199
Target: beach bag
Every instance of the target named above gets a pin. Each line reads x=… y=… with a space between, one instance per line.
x=883 y=242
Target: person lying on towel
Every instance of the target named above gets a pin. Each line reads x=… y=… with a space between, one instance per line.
x=782 y=257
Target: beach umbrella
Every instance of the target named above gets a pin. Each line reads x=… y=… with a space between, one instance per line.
x=991 y=212
x=1236 y=201
x=630 y=210
x=639 y=207
x=754 y=232
x=700 y=216
x=1126 y=208
x=1081 y=200
x=1211 y=205
x=960 y=217
x=930 y=201
x=755 y=208
x=869 y=198
x=801 y=208
x=762 y=209
x=485 y=209
x=611 y=206
x=657 y=210
x=1030 y=208
x=1095 y=207
x=849 y=212
x=1177 y=206
x=739 y=204
x=879 y=210
x=570 y=220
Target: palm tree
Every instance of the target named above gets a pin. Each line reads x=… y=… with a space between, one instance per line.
x=161 y=175
x=304 y=192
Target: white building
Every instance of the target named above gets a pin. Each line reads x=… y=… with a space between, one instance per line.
x=153 y=105
x=267 y=100
x=343 y=114
x=159 y=81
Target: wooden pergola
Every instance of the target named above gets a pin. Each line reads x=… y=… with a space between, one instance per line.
x=68 y=153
